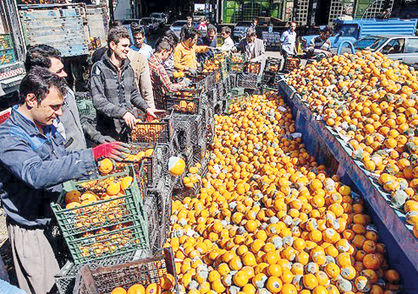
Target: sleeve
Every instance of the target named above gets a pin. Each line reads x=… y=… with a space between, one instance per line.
x=262 y=52
x=177 y=59
x=146 y=86
x=282 y=38
x=137 y=99
x=89 y=128
x=201 y=49
x=166 y=82
x=100 y=101
x=19 y=158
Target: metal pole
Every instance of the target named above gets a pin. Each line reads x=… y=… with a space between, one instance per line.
x=110 y=10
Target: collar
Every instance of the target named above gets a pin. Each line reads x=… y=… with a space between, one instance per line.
x=155 y=58
x=29 y=126
x=108 y=63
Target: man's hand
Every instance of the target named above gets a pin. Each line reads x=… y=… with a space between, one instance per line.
x=154 y=112
x=129 y=119
x=112 y=150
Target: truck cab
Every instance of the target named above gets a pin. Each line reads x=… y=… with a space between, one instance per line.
x=353 y=30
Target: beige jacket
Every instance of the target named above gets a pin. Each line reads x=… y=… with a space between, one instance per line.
x=142 y=74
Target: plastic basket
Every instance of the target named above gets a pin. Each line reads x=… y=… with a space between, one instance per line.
x=99 y=214
x=247 y=81
x=272 y=65
x=236 y=67
x=65 y=279
x=292 y=63
x=104 y=279
x=253 y=67
x=153 y=132
x=159 y=219
x=111 y=242
x=183 y=105
x=99 y=230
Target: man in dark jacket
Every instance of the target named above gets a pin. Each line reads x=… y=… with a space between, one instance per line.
x=33 y=165
x=50 y=58
x=114 y=91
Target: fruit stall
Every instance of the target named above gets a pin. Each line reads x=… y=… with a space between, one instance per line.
x=257 y=182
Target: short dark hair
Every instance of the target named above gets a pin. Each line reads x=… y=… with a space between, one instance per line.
x=115 y=23
x=226 y=30
x=138 y=30
x=190 y=34
x=39 y=81
x=39 y=55
x=189 y=16
x=116 y=34
x=163 y=45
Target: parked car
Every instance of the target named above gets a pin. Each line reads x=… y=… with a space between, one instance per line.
x=161 y=17
x=177 y=26
x=403 y=48
x=353 y=30
x=151 y=23
x=127 y=23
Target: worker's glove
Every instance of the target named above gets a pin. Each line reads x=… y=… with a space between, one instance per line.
x=112 y=150
x=105 y=139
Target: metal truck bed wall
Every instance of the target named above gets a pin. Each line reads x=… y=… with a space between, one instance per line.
x=379 y=27
x=328 y=149
x=60 y=26
x=97 y=23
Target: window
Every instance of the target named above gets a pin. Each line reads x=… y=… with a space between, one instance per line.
x=411 y=45
x=369 y=42
x=394 y=46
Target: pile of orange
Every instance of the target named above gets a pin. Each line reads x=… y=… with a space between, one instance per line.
x=371 y=102
x=269 y=219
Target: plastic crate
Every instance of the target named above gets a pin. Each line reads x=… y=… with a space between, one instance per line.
x=253 y=67
x=104 y=279
x=220 y=91
x=183 y=131
x=102 y=213
x=99 y=230
x=161 y=215
x=65 y=279
x=183 y=105
x=292 y=63
x=111 y=242
x=273 y=65
x=153 y=132
x=247 y=81
x=199 y=152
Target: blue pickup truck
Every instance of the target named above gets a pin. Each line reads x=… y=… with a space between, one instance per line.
x=353 y=30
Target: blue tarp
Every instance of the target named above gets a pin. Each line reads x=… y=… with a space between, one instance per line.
x=330 y=150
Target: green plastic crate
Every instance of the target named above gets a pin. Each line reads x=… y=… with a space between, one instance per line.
x=93 y=225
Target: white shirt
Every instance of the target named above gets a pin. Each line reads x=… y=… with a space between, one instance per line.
x=146 y=50
x=228 y=45
x=288 y=40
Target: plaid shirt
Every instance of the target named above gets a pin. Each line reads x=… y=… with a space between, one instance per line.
x=161 y=82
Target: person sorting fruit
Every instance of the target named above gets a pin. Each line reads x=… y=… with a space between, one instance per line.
x=114 y=91
x=252 y=47
x=33 y=165
x=185 y=52
x=161 y=82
